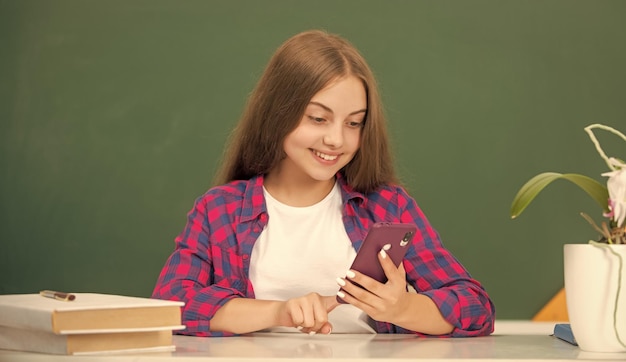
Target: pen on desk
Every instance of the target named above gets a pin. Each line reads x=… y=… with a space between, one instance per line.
x=66 y=297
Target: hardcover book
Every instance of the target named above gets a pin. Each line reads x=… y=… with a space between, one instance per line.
x=87 y=343
x=88 y=313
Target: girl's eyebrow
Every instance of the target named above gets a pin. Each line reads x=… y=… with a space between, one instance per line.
x=326 y=108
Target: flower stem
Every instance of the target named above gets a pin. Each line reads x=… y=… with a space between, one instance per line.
x=589 y=130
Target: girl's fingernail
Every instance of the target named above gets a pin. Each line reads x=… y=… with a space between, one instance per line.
x=312 y=333
x=341 y=294
x=341 y=282
x=299 y=328
x=350 y=274
x=383 y=253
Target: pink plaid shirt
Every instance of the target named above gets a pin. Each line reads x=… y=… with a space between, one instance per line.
x=211 y=261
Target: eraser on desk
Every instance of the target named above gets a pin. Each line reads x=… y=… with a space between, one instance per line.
x=563 y=331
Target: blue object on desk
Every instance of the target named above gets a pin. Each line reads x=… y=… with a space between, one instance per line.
x=563 y=331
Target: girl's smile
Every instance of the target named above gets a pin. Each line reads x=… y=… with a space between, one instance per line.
x=329 y=158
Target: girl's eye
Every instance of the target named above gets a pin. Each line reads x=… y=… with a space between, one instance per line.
x=316 y=119
x=355 y=124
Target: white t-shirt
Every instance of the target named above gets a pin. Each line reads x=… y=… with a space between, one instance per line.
x=304 y=250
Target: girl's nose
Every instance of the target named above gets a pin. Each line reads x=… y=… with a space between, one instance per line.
x=334 y=136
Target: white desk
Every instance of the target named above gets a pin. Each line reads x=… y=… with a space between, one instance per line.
x=512 y=341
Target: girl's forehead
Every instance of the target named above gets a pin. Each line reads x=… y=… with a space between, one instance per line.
x=345 y=92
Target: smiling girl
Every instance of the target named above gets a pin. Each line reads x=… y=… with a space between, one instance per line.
x=307 y=172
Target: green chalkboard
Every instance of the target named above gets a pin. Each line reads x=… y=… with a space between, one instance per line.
x=113 y=116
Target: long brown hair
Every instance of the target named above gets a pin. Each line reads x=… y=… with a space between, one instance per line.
x=301 y=67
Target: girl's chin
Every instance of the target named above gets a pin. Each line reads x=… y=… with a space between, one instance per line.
x=325 y=176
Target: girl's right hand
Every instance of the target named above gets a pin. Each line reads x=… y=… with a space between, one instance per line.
x=308 y=313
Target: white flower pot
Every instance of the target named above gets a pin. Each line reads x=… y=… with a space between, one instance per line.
x=591 y=277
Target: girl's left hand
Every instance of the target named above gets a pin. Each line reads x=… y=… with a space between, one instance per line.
x=382 y=302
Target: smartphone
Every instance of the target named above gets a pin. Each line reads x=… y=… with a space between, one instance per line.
x=393 y=237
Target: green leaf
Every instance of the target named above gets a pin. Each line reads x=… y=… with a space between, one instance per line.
x=532 y=187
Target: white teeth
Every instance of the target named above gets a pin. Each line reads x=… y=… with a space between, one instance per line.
x=325 y=156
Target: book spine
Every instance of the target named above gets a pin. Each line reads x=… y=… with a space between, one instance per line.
x=19 y=317
x=32 y=341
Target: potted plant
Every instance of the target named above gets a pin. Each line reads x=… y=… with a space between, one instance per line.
x=594 y=273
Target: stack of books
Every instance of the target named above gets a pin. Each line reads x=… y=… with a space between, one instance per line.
x=87 y=323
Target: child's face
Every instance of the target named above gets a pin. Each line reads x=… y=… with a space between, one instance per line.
x=329 y=133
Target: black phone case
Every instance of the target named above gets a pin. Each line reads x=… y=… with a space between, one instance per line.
x=398 y=235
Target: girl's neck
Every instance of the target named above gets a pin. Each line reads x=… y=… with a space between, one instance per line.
x=297 y=192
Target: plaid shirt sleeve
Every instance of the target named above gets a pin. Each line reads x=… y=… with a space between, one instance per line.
x=432 y=270
x=206 y=268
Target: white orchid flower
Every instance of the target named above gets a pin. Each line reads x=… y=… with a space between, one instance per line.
x=616 y=185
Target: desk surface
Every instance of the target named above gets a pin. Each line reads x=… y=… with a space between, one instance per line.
x=512 y=341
